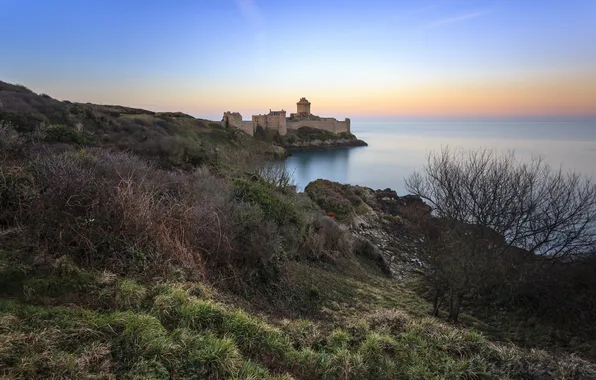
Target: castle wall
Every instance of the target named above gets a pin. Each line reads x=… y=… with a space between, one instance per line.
x=275 y=121
x=233 y=119
x=247 y=127
x=327 y=124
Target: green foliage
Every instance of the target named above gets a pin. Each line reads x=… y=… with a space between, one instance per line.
x=63 y=134
x=267 y=135
x=338 y=339
x=129 y=294
x=53 y=286
x=205 y=339
x=334 y=197
x=208 y=356
x=136 y=336
x=12 y=276
x=313 y=293
x=183 y=152
x=311 y=134
x=148 y=369
x=274 y=208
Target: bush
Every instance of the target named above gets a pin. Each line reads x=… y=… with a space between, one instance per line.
x=11 y=141
x=365 y=248
x=16 y=193
x=498 y=221
x=63 y=134
x=327 y=239
x=333 y=197
x=112 y=210
x=276 y=176
x=274 y=208
x=117 y=212
x=258 y=242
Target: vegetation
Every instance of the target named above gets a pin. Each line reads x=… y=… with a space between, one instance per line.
x=116 y=262
x=304 y=136
x=172 y=139
x=335 y=198
x=497 y=222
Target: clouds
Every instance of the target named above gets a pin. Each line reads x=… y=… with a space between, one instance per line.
x=458 y=18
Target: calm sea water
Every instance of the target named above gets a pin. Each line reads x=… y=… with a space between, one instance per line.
x=398 y=148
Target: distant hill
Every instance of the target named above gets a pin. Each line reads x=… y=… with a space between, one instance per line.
x=176 y=138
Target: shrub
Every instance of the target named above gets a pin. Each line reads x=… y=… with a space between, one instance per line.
x=11 y=141
x=113 y=211
x=117 y=212
x=274 y=208
x=23 y=121
x=258 y=243
x=365 y=248
x=16 y=193
x=63 y=134
x=325 y=238
x=333 y=197
x=276 y=176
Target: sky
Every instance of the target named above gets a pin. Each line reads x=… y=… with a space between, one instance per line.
x=373 y=59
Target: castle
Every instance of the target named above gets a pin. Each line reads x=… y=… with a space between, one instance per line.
x=277 y=120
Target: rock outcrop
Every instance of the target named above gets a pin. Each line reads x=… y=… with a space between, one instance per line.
x=377 y=217
x=323 y=145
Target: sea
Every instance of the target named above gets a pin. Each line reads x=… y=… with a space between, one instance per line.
x=396 y=149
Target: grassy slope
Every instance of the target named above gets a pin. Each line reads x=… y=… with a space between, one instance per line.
x=329 y=321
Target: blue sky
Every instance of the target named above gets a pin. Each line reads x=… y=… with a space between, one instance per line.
x=360 y=59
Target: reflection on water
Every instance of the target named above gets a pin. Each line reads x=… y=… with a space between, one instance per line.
x=396 y=149
x=313 y=165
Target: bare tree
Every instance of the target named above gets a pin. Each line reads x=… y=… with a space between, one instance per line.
x=492 y=215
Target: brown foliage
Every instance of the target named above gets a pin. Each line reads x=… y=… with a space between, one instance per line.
x=116 y=211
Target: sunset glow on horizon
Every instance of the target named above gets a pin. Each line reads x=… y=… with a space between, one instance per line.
x=349 y=58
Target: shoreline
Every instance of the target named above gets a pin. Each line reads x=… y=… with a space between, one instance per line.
x=324 y=147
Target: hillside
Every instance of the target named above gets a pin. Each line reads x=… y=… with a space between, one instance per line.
x=173 y=138
x=147 y=245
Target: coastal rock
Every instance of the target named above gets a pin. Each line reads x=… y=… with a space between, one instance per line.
x=378 y=217
x=317 y=145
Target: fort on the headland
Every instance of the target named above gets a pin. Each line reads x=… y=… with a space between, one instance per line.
x=277 y=120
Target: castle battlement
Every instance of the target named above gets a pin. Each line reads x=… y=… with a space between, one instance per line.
x=277 y=120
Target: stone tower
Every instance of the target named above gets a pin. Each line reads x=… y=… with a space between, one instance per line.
x=303 y=107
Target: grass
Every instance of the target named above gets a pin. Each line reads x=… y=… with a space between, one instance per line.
x=360 y=325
